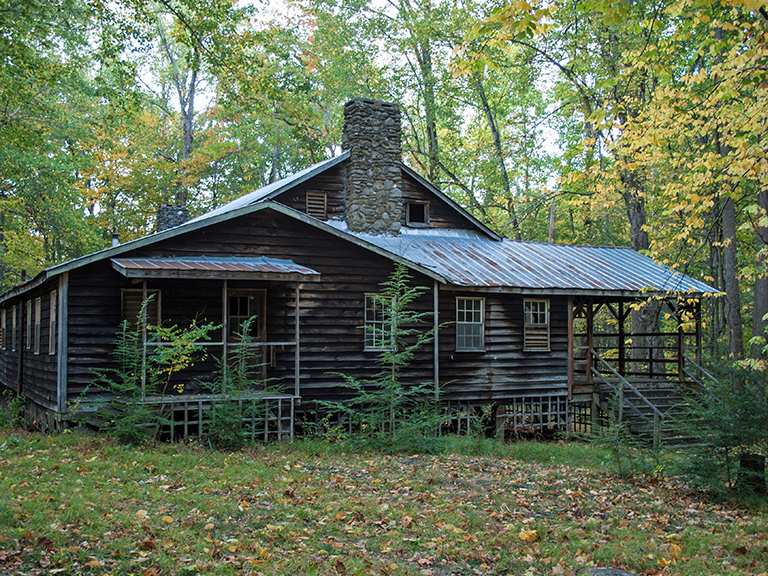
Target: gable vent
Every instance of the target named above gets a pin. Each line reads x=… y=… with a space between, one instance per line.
x=317 y=204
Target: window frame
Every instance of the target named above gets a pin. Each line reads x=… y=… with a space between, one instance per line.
x=29 y=325
x=375 y=330
x=14 y=340
x=532 y=331
x=417 y=223
x=38 y=323
x=464 y=323
x=260 y=297
x=53 y=323
x=2 y=327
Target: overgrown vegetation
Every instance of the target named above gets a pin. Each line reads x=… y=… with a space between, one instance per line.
x=387 y=413
x=731 y=423
x=71 y=504
x=142 y=373
x=239 y=383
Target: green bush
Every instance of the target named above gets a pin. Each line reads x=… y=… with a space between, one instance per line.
x=730 y=423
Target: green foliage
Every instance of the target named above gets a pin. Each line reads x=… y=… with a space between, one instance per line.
x=11 y=410
x=127 y=413
x=387 y=413
x=240 y=385
x=731 y=422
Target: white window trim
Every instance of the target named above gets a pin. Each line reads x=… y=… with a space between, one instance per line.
x=481 y=348
x=53 y=323
x=38 y=322
x=29 y=325
x=376 y=329
x=527 y=326
x=13 y=327
x=3 y=326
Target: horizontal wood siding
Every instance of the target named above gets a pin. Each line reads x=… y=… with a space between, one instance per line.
x=38 y=371
x=330 y=182
x=441 y=214
x=504 y=370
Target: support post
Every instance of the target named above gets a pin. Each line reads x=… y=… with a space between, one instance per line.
x=143 y=339
x=435 y=342
x=224 y=332
x=622 y=343
x=590 y=339
x=697 y=312
x=297 y=351
x=680 y=342
x=571 y=369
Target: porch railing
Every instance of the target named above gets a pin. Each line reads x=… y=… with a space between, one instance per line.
x=622 y=386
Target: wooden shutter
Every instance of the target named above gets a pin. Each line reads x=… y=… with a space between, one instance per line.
x=317 y=204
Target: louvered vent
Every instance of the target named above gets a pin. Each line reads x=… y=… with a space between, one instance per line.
x=317 y=204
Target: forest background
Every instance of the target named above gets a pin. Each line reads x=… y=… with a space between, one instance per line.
x=639 y=123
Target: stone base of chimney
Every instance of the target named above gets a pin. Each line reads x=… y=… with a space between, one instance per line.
x=170 y=216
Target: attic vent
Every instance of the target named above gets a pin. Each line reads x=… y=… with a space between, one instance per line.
x=417 y=214
x=317 y=204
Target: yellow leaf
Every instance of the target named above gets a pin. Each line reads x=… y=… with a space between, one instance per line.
x=142 y=515
x=209 y=526
x=167 y=519
x=528 y=536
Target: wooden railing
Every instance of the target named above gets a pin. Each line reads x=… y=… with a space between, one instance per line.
x=619 y=390
x=697 y=377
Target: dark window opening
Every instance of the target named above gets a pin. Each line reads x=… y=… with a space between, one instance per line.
x=417 y=214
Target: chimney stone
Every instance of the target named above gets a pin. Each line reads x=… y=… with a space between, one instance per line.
x=169 y=216
x=373 y=190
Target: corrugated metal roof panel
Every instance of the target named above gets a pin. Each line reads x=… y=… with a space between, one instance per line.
x=260 y=265
x=475 y=261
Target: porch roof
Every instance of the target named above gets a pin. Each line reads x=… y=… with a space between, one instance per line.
x=214 y=268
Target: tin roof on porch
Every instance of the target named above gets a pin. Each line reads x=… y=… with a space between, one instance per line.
x=202 y=267
x=466 y=259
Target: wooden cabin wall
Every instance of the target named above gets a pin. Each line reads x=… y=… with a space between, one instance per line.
x=504 y=370
x=332 y=309
x=441 y=214
x=37 y=378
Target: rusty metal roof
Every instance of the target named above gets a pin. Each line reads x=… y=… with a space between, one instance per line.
x=466 y=259
x=210 y=267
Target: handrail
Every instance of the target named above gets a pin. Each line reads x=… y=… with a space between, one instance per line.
x=658 y=417
x=700 y=369
x=616 y=390
x=626 y=383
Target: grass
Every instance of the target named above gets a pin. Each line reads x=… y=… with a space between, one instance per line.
x=73 y=504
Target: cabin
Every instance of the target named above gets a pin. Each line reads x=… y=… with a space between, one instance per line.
x=533 y=330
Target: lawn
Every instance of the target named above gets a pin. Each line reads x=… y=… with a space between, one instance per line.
x=73 y=504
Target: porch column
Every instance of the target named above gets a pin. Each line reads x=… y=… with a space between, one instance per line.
x=622 y=338
x=224 y=329
x=435 y=344
x=680 y=340
x=143 y=338
x=697 y=313
x=590 y=338
x=61 y=344
x=297 y=352
x=571 y=369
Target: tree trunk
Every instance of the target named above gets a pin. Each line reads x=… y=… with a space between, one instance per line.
x=759 y=322
x=731 y=270
x=499 y=153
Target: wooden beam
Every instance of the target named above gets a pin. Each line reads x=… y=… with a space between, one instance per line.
x=297 y=351
x=435 y=343
x=571 y=367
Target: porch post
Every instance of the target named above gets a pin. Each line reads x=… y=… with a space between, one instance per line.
x=571 y=368
x=622 y=338
x=697 y=313
x=680 y=340
x=224 y=331
x=143 y=338
x=435 y=344
x=590 y=338
x=297 y=353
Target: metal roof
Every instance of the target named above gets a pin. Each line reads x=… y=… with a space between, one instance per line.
x=469 y=260
x=212 y=267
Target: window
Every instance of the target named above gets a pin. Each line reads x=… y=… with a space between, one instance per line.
x=2 y=328
x=470 y=319
x=317 y=204
x=244 y=305
x=29 y=324
x=378 y=325
x=417 y=214
x=536 y=314
x=132 y=300
x=38 y=318
x=13 y=328
x=52 y=325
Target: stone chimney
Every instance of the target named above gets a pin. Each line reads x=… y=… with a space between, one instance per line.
x=373 y=194
x=169 y=216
